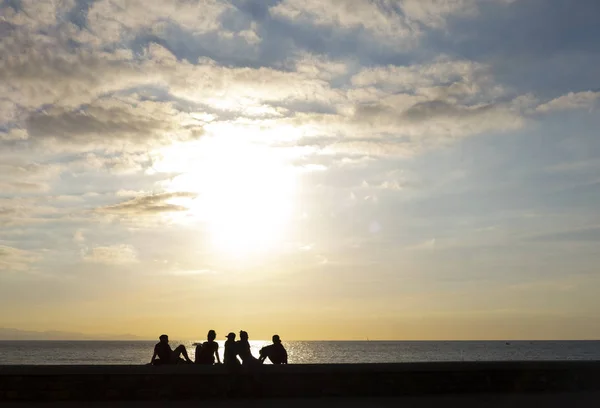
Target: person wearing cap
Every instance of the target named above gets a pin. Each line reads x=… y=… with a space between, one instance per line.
x=166 y=355
x=206 y=353
x=275 y=352
x=230 y=354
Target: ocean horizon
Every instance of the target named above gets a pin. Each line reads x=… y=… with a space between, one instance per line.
x=137 y=352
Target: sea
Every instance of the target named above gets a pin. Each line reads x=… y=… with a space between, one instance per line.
x=306 y=352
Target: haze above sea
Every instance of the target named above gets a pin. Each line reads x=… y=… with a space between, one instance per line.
x=306 y=352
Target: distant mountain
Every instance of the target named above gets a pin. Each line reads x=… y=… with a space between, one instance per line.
x=17 y=334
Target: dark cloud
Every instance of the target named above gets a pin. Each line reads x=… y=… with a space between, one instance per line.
x=532 y=45
x=111 y=122
x=149 y=205
x=79 y=13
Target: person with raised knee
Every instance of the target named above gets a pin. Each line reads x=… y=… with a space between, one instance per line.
x=163 y=354
x=274 y=352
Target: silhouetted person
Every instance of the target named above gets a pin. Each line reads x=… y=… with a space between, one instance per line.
x=275 y=352
x=206 y=353
x=165 y=355
x=243 y=349
x=230 y=354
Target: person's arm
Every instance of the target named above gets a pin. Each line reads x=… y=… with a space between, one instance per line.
x=217 y=353
x=262 y=354
x=197 y=353
x=154 y=354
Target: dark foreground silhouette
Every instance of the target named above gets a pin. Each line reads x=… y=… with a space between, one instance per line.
x=499 y=380
x=208 y=352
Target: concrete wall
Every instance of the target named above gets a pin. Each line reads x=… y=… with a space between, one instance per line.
x=48 y=383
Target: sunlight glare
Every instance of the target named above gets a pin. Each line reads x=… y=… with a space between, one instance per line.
x=244 y=191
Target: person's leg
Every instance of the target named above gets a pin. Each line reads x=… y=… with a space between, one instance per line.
x=181 y=351
x=263 y=355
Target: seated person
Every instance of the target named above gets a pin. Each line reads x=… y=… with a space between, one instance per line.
x=206 y=353
x=243 y=349
x=230 y=355
x=165 y=355
x=275 y=352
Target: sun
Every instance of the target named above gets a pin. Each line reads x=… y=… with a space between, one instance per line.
x=244 y=192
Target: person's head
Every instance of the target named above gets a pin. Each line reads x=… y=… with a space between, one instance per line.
x=243 y=335
x=276 y=338
x=164 y=338
x=231 y=336
x=211 y=335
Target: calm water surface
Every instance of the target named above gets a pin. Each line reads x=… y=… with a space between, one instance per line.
x=306 y=352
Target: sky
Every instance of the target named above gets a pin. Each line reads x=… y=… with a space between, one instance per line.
x=321 y=169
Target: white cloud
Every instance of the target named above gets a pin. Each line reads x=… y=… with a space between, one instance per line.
x=38 y=70
x=18 y=177
x=433 y=13
x=250 y=35
x=427 y=245
x=78 y=236
x=35 y=14
x=15 y=260
x=111 y=20
x=319 y=66
x=445 y=78
x=13 y=135
x=112 y=255
x=570 y=101
x=378 y=18
x=236 y=89
x=398 y=22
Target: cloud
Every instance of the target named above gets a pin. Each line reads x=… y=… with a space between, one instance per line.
x=376 y=148
x=396 y=22
x=73 y=96
x=13 y=135
x=110 y=122
x=34 y=14
x=34 y=210
x=441 y=119
x=378 y=18
x=236 y=88
x=444 y=77
x=22 y=187
x=111 y=255
x=15 y=260
x=405 y=109
x=37 y=70
x=433 y=13
x=112 y=20
x=148 y=205
x=570 y=101
x=319 y=66
x=78 y=237
x=18 y=177
x=427 y=245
